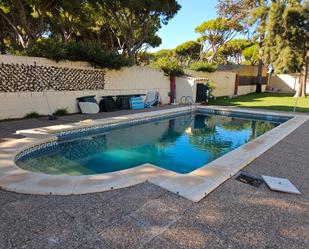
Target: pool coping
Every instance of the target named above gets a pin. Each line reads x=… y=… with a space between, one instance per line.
x=193 y=186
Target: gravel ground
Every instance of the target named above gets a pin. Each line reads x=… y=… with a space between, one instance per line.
x=235 y=215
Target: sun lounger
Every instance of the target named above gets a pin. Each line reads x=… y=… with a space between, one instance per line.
x=152 y=99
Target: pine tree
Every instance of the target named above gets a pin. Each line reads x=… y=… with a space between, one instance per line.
x=251 y=14
x=286 y=45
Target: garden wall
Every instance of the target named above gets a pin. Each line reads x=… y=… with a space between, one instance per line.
x=225 y=83
x=26 y=83
x=285 y=83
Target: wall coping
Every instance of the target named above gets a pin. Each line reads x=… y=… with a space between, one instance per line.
x=41 y=61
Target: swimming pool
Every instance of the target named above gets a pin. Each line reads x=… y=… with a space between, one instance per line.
x=180 y=143
x=132 y=138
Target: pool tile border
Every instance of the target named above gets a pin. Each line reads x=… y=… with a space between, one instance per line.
x=193 y=186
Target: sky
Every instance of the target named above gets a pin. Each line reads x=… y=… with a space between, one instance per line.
x=181 y=28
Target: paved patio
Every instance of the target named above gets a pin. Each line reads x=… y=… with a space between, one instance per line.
x=235 y=215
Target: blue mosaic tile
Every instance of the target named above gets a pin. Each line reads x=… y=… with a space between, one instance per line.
x=67 y=136
x=257 y=116
x=71 y=134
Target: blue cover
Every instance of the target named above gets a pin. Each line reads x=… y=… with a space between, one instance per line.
x=136 y=103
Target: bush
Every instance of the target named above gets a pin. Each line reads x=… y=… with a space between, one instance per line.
x=79 y=51
x=211 y=87
x=61 y=112
x=203 y=67
x=170 y=65
x=32 y=115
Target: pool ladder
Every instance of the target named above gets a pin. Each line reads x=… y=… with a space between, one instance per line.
x=187 y=100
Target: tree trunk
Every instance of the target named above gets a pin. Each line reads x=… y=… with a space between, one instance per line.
x=300 y=87
x=2 y=46
x=172 y=88
x=253 y=130
x=301 y=90
x=132 y=56
x=306 y=75
x=259 y=81
x=269 y=74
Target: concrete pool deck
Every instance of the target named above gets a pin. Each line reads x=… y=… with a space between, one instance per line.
x=235 y=215
x=193 y=186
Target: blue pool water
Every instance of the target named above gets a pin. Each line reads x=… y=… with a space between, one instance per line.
x=180 y=144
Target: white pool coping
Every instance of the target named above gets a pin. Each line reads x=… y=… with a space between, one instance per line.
x=193 y=186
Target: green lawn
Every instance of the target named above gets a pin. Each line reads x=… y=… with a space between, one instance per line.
x=271 y=101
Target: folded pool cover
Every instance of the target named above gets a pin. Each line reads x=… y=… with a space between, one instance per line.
x=108 y=104
x=123 y=102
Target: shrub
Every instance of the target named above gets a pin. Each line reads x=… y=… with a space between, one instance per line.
x=32 y=115
x=211 y=87
x=170 y=65
x=61 y=112
x=203 y=67
x=79 y=51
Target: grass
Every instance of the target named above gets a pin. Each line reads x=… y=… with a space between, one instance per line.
x=269 y=101
x=32 y=115
x=61 y=112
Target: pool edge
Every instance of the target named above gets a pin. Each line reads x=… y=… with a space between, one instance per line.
x=193 y=186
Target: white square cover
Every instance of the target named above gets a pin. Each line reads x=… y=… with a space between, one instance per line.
x=280 y=184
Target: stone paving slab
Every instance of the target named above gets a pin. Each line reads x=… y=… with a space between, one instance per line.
x=235 y=215
x=186 y=233
x=159 y=242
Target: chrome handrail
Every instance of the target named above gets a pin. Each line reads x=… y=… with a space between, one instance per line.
x=187 y=100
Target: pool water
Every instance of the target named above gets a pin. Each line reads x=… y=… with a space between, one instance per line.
x=180 y=144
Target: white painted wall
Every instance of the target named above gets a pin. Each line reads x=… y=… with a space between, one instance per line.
x=129 y=80
x=10 y=59
x=17 y=105
x=224 y=83
x=185 y=86
x=136 y=79
x=286 y=82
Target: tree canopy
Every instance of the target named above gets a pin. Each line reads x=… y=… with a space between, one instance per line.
x=251 y=54
x=253 y=15
x=286 y=45
x=25 y=20
x=233 y=50
x=108 y=32
x=188 y=51
x=127 y=26
x=215 y=33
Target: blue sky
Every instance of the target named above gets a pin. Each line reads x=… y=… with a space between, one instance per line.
x=181 y=27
